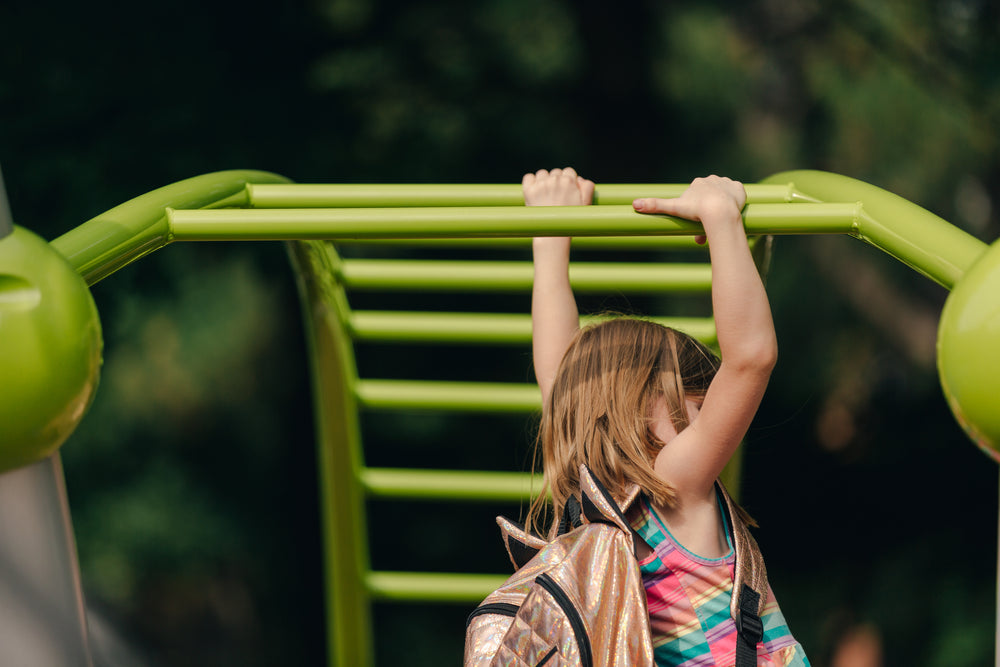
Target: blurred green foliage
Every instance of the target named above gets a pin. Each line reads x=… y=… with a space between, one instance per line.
x=192 y=478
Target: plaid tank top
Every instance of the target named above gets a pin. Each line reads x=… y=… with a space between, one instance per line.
x=689 y=597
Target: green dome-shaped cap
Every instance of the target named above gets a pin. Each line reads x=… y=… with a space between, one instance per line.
x=50 y=349
x=969 y=351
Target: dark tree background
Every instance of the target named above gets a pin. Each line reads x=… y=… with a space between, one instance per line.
x=192 y=479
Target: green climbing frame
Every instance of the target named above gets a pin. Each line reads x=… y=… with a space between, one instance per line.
x=319 y=221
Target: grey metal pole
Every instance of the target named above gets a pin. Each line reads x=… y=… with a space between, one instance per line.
x=42 y=614
x=6 y=219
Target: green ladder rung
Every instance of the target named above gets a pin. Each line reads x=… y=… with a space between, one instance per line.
x=431 y=586
x=449 y=484
x=458 y=396
x=467 y=275
x=441 y=327
x=479 y=328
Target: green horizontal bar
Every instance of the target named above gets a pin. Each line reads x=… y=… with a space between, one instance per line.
x=480 y=328
x=761 y=219
x=486 y=222
x=431 y=586
x=448 y=222
x=591 y=242
x=371 y=195
x=475 y=276
x=489 y=397
x=449 y=484
x=651 y=243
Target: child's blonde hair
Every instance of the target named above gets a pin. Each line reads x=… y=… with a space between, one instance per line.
x=599 y=411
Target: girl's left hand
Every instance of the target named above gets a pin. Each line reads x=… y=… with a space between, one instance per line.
x=559 y=187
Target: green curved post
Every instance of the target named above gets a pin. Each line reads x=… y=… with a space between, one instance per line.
x=338 y=437
x=913 y=235
x=969 y=330
x=114 y=239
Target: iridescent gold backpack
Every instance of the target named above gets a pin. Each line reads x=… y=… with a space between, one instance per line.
x=579 y=599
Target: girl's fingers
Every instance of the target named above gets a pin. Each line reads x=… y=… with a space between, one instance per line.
x=558 y=187
x=674 y=207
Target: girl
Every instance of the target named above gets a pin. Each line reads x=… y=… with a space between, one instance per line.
x=643 y=404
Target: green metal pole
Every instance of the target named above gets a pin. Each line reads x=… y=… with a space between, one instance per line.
x=368 y=195
x=487 y=222
x=338 y=437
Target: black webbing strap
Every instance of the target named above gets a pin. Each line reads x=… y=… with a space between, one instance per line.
x=570 y=516
x=749 y=628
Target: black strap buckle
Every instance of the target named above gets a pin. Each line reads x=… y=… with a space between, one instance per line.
x=750 y=627
x=748 y=622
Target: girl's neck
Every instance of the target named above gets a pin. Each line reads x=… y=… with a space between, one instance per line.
x=697 y=526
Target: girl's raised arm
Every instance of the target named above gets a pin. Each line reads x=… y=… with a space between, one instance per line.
x=693 y=460
x=554 y=316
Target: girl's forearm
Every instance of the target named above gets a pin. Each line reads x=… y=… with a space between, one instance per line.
x=744 y=325
x=554 y=315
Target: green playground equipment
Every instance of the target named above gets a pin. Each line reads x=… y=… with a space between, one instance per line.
x=464 y=240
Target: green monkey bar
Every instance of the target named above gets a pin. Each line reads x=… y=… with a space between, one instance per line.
x=319 y=221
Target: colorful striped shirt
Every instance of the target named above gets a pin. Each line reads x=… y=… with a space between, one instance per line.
x=689 y=597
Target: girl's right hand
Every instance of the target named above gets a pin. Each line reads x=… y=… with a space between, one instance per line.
x=744 y=332
x=707 y=200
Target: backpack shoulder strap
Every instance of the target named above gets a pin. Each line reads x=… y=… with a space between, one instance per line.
x=749 y=585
